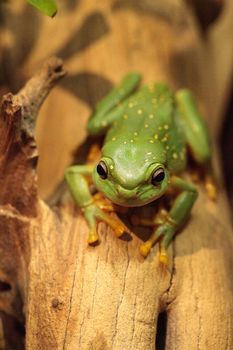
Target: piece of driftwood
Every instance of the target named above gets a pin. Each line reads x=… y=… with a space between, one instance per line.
x=72 y=296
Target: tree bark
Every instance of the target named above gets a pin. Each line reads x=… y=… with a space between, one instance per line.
x=72 y=296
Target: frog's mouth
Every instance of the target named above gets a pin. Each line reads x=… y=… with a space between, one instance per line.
x=137 y=196
x=133 y=199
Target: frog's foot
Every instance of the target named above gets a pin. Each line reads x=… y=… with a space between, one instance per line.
x=118 y=226
x=163 y=263
x=95 y=214
x=163 y=257
x=164 y=233
x=93 y=237
x=209 y=183
x=145 y=248
x=211 y=188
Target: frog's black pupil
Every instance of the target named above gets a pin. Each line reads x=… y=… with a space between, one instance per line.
x=158 y=176
x=102 y=170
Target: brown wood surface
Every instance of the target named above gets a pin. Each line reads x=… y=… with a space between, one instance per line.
x=108 y=297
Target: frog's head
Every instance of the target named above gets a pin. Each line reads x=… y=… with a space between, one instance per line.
x=132 y=175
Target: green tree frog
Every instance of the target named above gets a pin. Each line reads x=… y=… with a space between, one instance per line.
x=147 y=133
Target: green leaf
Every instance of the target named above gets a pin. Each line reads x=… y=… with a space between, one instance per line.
x=48 y=7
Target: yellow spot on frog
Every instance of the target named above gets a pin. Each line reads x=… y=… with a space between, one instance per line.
x=104 y=123
x=166 y=127
x=164 y=139
x=113 y=139
x=111 y=167
x=149 y=153
x=125 y=116
x=151 y=141
x=130 y=104
x=156 y=136
x=146 y=125
x=135 y=133
x=151 y=116
x=167 y=147
x=131 y=140
x=125 y=142
x=160 y=127
x=139 y=111
x=174 y=156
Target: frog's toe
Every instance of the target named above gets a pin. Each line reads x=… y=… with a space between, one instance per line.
x=116 y=225
x=163 y=257
x=93 y=238
x=119 y=229
x=211 y=190
x=145 y=248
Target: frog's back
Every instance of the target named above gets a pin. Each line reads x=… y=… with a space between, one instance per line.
x=150 y=116
x=145 y=112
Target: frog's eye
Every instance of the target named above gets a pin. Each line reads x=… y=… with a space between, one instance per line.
x=157 y=176
x=102 y=170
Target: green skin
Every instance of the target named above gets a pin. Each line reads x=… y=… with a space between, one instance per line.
x=145 y=130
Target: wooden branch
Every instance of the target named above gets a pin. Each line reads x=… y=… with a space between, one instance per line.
x=18 y=153
x=18 y=181
x=108 y=297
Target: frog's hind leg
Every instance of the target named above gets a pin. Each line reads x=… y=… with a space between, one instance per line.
x=106 y=112
x=197 y=136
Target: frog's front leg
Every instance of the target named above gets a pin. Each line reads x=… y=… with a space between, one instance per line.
x=197 y=136
x=78 y=185
x=175 y=218
x=112 y=106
